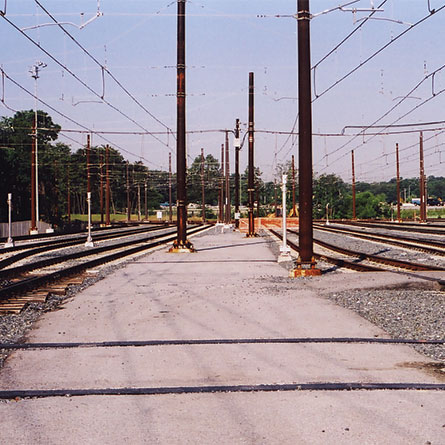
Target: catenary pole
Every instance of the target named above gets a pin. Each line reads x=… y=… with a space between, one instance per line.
x=237 y=179
x=203 y=198
x=251 y=175
x=398 y=182
x=227 y=183
x=107 y=189
x=354 y=214
x=306 y=261
x=181 y=244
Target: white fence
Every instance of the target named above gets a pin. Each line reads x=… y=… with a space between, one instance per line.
x=20 y=228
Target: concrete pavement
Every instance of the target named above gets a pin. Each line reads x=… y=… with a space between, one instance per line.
x=231 y=288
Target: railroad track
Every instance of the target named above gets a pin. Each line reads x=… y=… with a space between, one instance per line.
x=430 y=247
x=11 y=294
x=360 y=256
x=29 y=249
x=405 y=227
x=331 y=260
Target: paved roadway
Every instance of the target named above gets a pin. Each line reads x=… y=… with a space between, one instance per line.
x=231 y=288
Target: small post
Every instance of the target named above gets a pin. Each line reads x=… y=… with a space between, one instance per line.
x=9 y=241
x=68 y=193
x=327 y=214
x=89 y=241
x=284 y=249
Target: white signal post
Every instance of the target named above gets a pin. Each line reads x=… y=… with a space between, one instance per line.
x=9 y=241
x=284 y=249
x=89 y=242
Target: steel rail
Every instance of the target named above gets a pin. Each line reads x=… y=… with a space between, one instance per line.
x=35 y=282
x=167 y=390
x=407 y=227
x=216 y=341
x=336 y=261
x=58 y=244
x=377 y=259
x=389 y=239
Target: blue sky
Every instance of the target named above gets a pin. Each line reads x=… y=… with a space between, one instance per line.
x=226 y=39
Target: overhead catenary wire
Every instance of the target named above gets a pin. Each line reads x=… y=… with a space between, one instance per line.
x=53 y=58
x=89 y=130
x=103 y=67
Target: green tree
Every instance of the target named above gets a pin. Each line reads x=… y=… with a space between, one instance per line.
x=330 y=189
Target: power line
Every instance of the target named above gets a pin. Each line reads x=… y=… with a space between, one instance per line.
x=89 y=130
x=82 y=82
x=103 y=68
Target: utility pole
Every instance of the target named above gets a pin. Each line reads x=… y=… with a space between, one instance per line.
x=101 y=187
x=275 y=197
x=221 y=188
x=68 y=197
x=181 y=244
x=203 y=199
x=354 y=216
x=251 y=177
x=35 y=74
x=237 y=178
x=88 y=149
x=107 y=190
x=294 y=210
x=128 y=195
x=33 y=230
x=145 y=198
x=422 y=182
x=398 y=182
x=139 y=202
x=228 y=218
x=306 y=262
x=170 y=212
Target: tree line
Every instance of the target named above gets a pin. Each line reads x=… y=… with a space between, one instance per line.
x=63 y=180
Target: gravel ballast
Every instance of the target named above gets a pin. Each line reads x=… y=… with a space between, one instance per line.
x=408 y=313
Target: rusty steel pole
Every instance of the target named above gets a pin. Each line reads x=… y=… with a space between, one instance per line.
x=203 y=198
x=170 y=210
x=101 y=187
x=128 y=195
x=107 y=189
x=68 y=193
x=145 y=199
x=306 y=261
x=422 y=181
x=398 y=182
x=221 y=187
x=354 y=216
x=33 y=228
x=294 y=210
x=251 y=176
x=228 y=217
x=181 y=244
x=275 y=197
x=237 y=178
